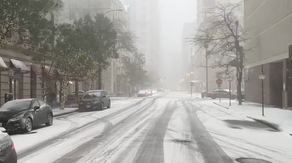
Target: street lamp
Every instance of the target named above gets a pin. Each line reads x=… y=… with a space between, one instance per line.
x=230 y=79
x=207 y=53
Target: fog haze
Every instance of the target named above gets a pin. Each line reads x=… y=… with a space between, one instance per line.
x=173 y=16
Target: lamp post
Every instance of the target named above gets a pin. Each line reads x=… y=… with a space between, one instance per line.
x=230 y=80
x=207 y=53
x=189 y=78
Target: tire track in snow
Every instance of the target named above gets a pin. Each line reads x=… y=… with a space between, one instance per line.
x=151 y=150
x=211 y=151
x=33 y=150
x=179 y=144
x=200 y=106
x=73 y=125
x=99 y=147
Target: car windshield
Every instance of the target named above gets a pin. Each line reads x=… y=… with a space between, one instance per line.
x=16 y=105
x=90 y=95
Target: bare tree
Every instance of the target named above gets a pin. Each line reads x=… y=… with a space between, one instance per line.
x=222 y=32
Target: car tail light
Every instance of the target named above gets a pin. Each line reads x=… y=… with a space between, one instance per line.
x=12 y=146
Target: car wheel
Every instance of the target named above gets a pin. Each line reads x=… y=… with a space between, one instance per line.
x=102 y=106
x=50 y=120
x=109 y=104
x=28 y=125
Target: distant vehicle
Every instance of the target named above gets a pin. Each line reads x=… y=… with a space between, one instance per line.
x=94 y=100
x=142 y=93
x=149 y=92
x=7 y=150
x=161 y=90
x=224 y=93
x=204 y=94
x=25 y=114
x=242 y=94
x=71 y=98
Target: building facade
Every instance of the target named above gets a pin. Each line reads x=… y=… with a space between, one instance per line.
x=144 y=22
x=115 y=11
x=28 y=84
x=188 y=51
x=270 y=24
x=202 y=64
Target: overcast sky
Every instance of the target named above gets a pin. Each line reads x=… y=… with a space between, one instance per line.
x=174 y=13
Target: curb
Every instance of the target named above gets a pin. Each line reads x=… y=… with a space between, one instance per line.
x=221 y=106
x=266 y=123
x=69 y=112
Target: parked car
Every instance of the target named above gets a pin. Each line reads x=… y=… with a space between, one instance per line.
x=204 y=94
x=71 y=98
x=7 y=149
x=94 y=100
x=142 y=93
x=242 y=94
x=25 y=114
x=221 y=94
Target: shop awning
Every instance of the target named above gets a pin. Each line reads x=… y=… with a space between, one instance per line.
x=37 y=69
x=3 y=64
x=19 y=64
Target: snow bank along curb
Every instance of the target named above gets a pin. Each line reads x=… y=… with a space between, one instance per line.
x=221 y=105
x=64 y=113
x=266 y=123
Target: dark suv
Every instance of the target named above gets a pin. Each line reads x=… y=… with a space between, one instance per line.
x=94 y=100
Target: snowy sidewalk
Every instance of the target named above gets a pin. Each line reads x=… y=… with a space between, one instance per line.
x=60 y=112
x=274 y=117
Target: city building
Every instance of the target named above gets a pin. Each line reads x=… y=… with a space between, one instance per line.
x=188 y=50
x=270 y=34
x=200 y=59
x=115 y=11
x=202 y=64
x=144 y=22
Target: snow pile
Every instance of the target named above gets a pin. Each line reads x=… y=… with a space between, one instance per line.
x=240 y=136
x=279 y=118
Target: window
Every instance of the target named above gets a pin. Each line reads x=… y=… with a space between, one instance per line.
x=36 y=103
x=16 y=105
x=90 y=95
x=105 y=93
x=42 y=103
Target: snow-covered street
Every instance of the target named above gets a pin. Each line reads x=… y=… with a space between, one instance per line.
x=170 y=128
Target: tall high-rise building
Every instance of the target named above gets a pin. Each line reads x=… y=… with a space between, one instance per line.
x=115 y=11
x=269 y=23
x=207 y=76
x=187 y=47
x=202 y=8
x=144 y=22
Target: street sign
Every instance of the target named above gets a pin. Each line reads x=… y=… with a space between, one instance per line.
x=15 y=73
x=219 y=81
x=191 y=83
x=262 y=76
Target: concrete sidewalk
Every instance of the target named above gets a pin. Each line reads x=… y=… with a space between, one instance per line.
x=275 y=118
x=60 y=112
x=72 y=108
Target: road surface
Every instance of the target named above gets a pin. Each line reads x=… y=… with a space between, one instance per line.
x=163 y=128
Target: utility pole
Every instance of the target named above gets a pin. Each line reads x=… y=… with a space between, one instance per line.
x=207 y=53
